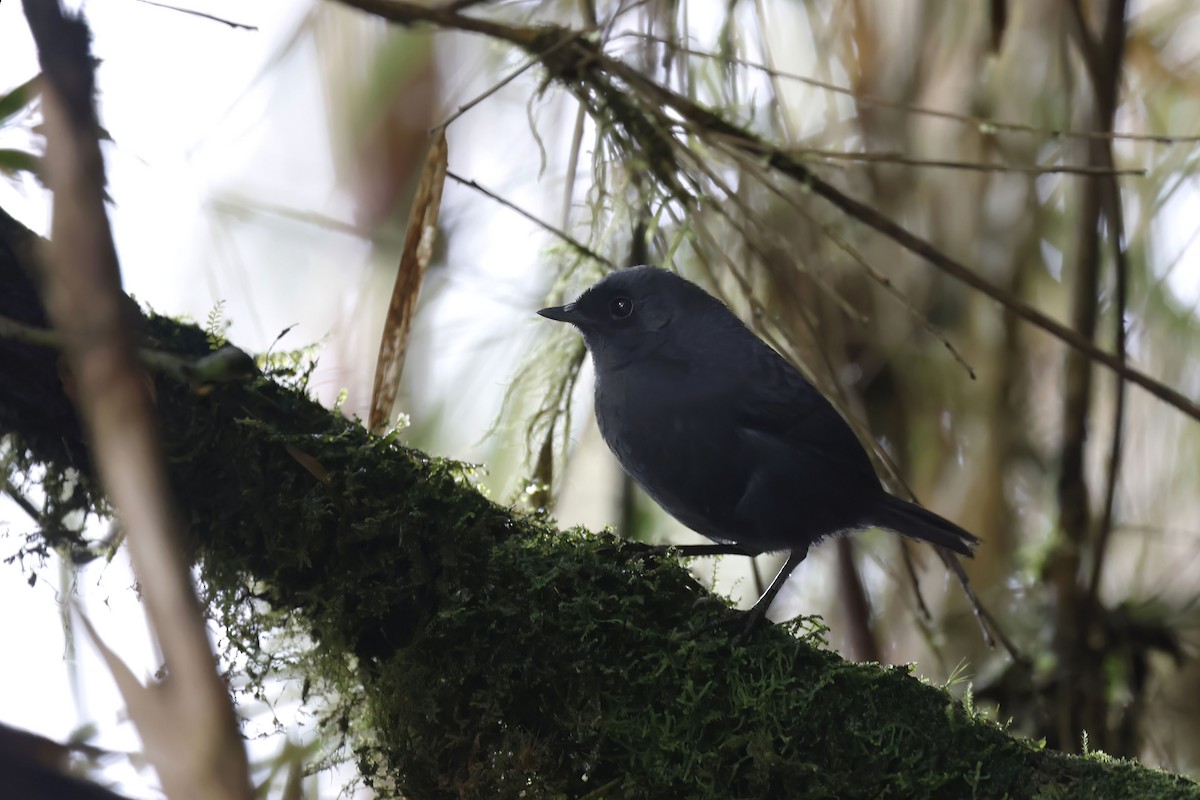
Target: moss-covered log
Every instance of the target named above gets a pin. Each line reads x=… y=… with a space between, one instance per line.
x=497 y=657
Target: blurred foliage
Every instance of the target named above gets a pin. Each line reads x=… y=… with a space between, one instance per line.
x=15 y=106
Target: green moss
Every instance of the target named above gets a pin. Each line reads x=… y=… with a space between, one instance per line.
x=570 y=665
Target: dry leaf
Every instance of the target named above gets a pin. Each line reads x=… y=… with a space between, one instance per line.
x=418 y=250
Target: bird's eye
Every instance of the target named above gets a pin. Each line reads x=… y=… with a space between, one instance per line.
x=620 y=307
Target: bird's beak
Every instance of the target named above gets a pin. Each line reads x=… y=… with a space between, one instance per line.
x=567 y=313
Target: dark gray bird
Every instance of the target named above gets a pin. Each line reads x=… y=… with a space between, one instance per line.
x=723 y=433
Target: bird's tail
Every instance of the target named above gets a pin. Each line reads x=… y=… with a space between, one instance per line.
x=915 y=522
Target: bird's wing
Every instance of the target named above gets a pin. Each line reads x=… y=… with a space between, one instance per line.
x=781 y=404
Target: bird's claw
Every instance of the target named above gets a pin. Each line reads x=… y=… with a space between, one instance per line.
x=748 y=620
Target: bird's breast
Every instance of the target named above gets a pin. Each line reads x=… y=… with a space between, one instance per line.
x=680 y=444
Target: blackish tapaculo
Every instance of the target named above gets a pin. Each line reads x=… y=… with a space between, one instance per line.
x=725 y=434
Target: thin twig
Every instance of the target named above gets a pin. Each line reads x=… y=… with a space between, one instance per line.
x=28 y=334
x=840 y=242
x=202 y=15
x=1104 y=531
x=534 y=60
x=243 y=208
x=573 y=163
x=23 y=502
x=972 y=166
x=856 y=603
x=221 y=366
x=911 y=570
x=1081 y=697
x=407 y=13
x=1111 y=203
x=419 y=238
x=186 y=723
x=984 y=125
x=701 y=166
x=582 y=248
x=988 y=623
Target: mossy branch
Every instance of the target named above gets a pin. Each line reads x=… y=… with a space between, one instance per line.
x=497 y=657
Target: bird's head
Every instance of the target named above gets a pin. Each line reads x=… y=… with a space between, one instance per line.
x=635 y=312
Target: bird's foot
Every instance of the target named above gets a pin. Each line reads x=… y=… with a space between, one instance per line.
x=745 y=623
x=754 y=618
x=751 y=621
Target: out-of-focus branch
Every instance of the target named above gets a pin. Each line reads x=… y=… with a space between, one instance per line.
x=1120 y=300
x=1081 y=702
x=37 y=768
x=982 y=124
x=448 y=16
x=565 y=237
x=649 y=115
x=202 y=15
x=186 y=724
x=969 y=166
x=1105 y=76
x=856 y=604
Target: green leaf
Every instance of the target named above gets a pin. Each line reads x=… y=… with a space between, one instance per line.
x=14 y=161
x=15 y=101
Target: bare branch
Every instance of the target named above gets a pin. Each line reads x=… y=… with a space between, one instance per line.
x=188 y=728
x=970 y=166
x=577 y=245
x=982 y=124
x=201 y=15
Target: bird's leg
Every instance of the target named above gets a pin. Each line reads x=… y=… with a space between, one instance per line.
x=689 y=550
x=699 y=550
x=754 y=617
x=758 y=611
x=686 y=550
